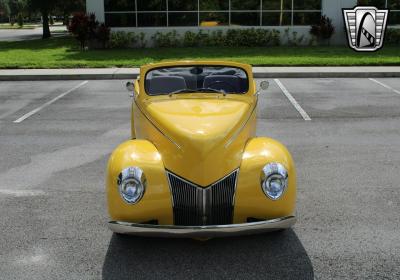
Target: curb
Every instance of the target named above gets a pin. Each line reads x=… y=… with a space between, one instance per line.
x=267 y=73
x=59 y=77
x=328 y=75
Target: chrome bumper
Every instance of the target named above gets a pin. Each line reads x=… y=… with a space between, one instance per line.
x=201 y=231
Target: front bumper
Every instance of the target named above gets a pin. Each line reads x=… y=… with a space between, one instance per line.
x=202 y=231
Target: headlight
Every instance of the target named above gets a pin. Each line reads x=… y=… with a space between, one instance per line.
x=132 y=184
x=274 y=180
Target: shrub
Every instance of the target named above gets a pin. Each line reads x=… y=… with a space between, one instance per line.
x=141 y=38
x=275 y=37
x=217 y=38
x=190 y=39
x=79 y=27
x=292 y=38
x=121 y=39
x=324 y=29
x=393 y=36
x=86 y=28
x=102 y=34
x=166 y=40
x=20 y=20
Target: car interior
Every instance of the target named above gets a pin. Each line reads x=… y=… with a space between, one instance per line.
x=169 y=80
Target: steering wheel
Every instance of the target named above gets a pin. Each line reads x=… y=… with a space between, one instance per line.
x=231 y=87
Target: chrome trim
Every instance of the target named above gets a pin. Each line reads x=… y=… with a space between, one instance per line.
x=198 y=186
x=156 y=127
x=209 y=202
x=271 y=169
x=202 y=231
x=137 y=174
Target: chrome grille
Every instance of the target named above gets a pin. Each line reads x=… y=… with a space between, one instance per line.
x=194 y=205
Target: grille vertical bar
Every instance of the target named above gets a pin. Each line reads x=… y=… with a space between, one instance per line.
x=194 y=206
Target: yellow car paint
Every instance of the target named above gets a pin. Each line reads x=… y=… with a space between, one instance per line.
x=201 y=137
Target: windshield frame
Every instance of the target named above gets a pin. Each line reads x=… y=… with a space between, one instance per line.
x=145 y=83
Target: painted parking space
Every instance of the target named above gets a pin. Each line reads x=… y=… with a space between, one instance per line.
x=344 y=98
x=392 y=85
x=53 y=206
x=272 y=104
x=18 y=98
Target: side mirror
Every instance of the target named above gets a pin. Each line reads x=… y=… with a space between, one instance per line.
x=264 y=85
x=130 y=87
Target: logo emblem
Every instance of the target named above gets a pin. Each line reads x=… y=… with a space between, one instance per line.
x=365 y=27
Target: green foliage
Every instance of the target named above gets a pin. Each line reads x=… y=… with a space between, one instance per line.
x=231 y=38
x=64 y=53
x=124 y=40
x=293 y=40
x=190 y=39
x=324 y=29
x=86 y=28
x=20 y=20
x=121 y=39
x=393 y=36
x=166 y=40
x=141 y=39
x=5 y=8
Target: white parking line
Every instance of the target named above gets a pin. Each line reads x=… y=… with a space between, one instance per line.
x=385 y=86
x=21 y=193
x=296 y=105
x=24 y=117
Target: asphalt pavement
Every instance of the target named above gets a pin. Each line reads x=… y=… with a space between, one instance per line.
x=28 y=34
x=55 y=139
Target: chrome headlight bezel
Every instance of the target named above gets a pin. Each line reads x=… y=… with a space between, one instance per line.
x=270 y=172
x=132 y=175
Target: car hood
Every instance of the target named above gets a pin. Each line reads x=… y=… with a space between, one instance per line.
x=207 y=134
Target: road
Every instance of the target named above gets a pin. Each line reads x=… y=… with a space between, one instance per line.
x=52 y=198
x=28 y=34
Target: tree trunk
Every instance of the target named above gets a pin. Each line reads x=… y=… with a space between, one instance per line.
x=46 y=28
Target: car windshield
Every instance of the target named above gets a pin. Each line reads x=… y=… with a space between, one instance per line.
x=195 y=79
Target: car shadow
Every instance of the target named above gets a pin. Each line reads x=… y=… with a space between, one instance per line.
x=278 y=255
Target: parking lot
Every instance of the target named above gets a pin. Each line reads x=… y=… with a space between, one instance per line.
x=344 y=134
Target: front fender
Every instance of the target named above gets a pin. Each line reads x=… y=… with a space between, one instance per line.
x=156 y=203
x=250 y=200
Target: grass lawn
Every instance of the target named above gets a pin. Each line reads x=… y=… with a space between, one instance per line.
x=64 y=53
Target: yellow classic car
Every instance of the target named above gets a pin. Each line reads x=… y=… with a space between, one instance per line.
x=194 y=166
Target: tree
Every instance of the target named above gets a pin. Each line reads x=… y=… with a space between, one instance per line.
x=66 y=8
x=4 y=9
x=45 y=7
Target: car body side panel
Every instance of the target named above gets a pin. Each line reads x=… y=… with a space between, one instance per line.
x=156 y=203
x=250 y=200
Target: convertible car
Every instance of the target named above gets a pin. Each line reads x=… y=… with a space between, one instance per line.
x=194 y=166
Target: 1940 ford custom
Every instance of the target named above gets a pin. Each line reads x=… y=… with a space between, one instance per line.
x=194 y=166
